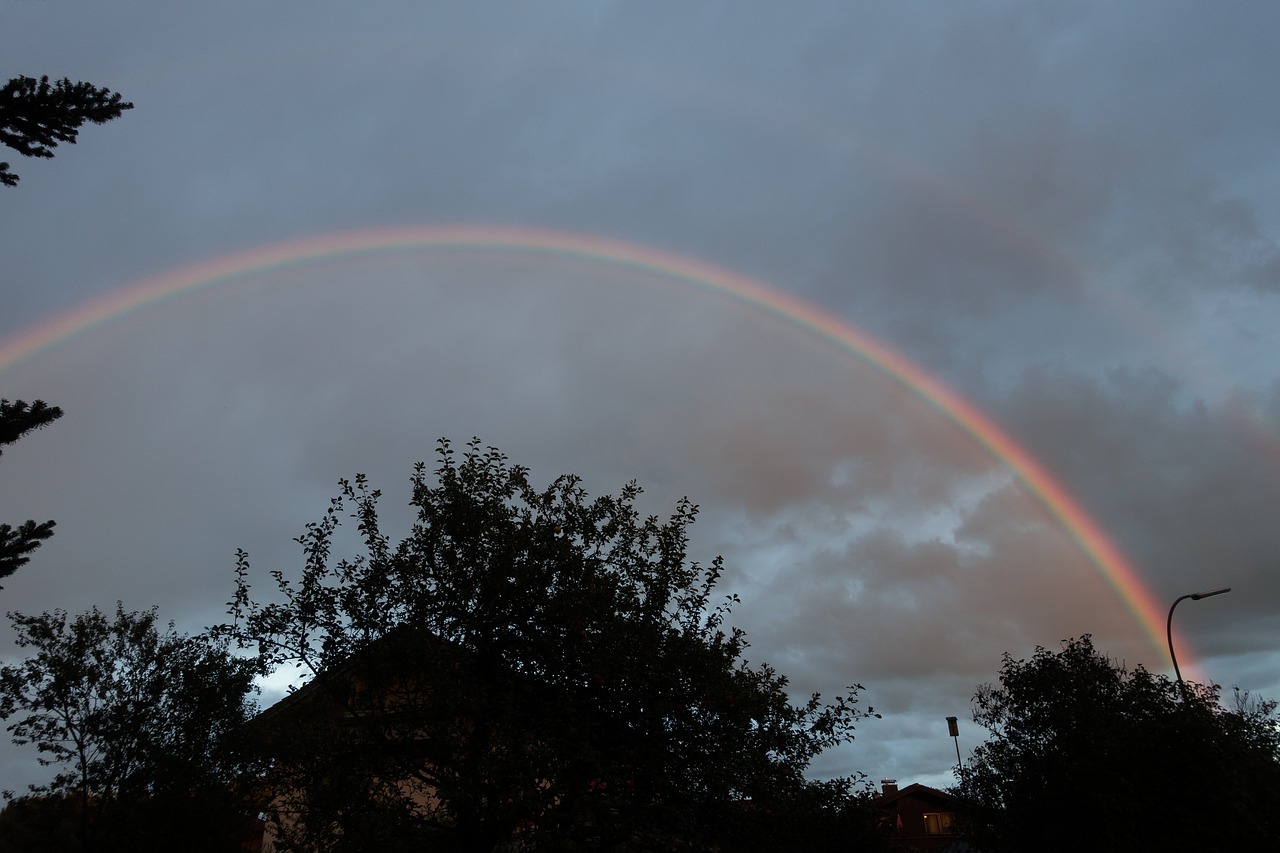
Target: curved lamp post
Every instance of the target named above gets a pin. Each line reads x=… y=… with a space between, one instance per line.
x=1194 y=596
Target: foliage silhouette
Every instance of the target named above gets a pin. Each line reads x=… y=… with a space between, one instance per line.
x=35 y=116
x=16 y=543
x=141 y=724
x=1085 y=754
x=528 y=664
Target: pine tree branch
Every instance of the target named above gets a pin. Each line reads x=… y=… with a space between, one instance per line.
x=19 y=418
x=35 y=116
x=17 y=544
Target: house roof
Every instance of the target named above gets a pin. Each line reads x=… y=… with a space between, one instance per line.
x=916 y=791
x=330 y=687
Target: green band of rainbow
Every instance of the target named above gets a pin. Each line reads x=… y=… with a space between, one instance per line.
x=1089 y=537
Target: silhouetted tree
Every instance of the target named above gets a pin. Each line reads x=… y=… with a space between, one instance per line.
x=35 y=115
x=16 y=543
x=142 y=726
x=1085 y=754
x=527 y=664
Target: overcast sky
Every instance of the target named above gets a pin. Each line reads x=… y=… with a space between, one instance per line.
x=1067 y=212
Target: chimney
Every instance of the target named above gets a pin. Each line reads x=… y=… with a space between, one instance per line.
x=888 y=786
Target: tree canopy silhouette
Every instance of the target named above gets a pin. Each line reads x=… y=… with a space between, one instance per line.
x=1085 y=754
x=16 y=543
x=529 y=664
x=140 y=723
x=35 y=116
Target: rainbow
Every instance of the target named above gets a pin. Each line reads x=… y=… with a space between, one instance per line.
x=1089 y=537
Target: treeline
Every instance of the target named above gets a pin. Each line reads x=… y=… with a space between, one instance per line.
x=528 y=667
x=537 y=668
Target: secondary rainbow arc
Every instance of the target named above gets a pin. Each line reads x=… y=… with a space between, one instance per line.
x=1113 y=565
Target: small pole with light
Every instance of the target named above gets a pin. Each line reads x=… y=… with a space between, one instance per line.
x=1194 y=596
x=953 y=728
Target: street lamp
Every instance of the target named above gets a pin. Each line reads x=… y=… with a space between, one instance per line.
x=1194 y=596
x=953 y=729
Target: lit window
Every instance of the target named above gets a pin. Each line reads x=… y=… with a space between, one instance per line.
x=938 y=823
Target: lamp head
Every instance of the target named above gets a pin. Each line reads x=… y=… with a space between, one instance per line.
x=1219 y=591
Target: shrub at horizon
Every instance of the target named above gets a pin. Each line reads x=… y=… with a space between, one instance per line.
x=1085 y=754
